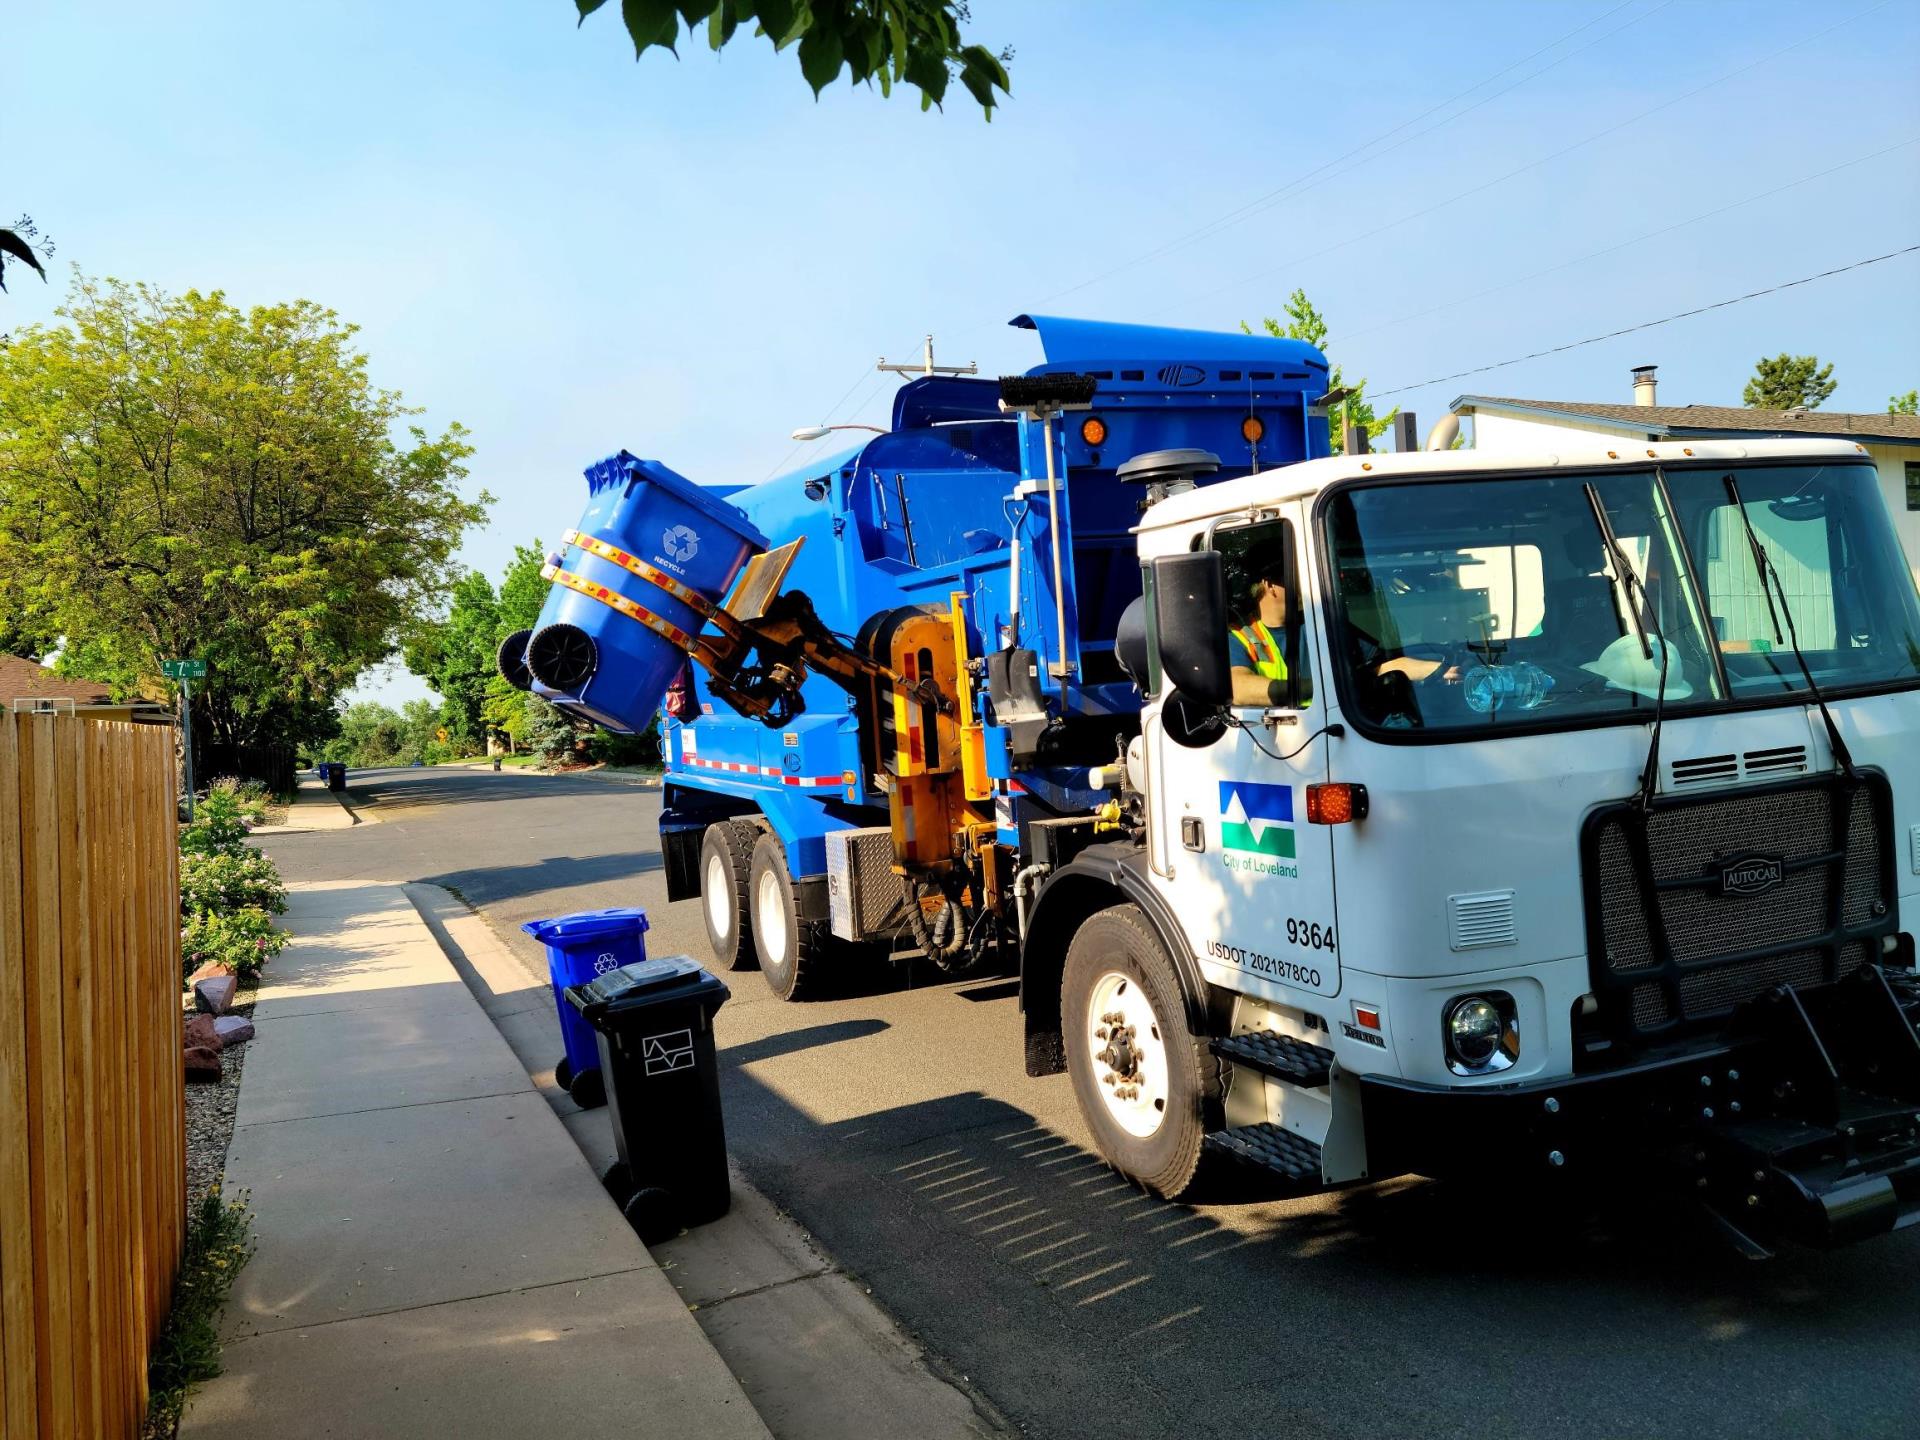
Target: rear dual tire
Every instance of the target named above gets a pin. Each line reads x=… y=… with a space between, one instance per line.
x=791 y=951
x=726 y=860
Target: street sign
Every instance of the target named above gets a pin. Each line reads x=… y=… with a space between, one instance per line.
x=184 y=669
x=441 y=733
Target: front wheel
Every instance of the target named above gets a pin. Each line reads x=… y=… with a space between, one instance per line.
x=1150 y=1089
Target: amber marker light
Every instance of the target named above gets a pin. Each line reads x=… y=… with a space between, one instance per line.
x=1340 y=804
x=1093 y=430
x=1253 y=429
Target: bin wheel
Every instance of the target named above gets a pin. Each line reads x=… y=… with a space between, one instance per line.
x=653 y=1214
x=726 y=858
x=791 y=951
x=563 y=1074
x=618 y=1181
x=588 y=1089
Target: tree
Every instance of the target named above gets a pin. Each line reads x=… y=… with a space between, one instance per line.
x=1907 y=404
x=180 y=478
x=1306 y=323
x=1789 y=382
x=16 y=243
x=456 y=657
x=917 y=42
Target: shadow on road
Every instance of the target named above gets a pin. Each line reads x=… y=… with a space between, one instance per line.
x=486 y=883
x=1014 y=1248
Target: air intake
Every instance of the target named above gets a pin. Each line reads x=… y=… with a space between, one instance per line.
x=1706 y=770
x=1476 y=921
x=1785 y=760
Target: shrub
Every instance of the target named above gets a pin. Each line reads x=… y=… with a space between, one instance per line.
x=219 y=1243
x=217 y=828
x=230 y=881
x=250 y=796
x=243 y=939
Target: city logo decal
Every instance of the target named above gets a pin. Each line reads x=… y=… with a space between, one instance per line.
x=1257 y=819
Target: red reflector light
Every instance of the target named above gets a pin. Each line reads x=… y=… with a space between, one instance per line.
x=1368 y=1017
x=1336 y=804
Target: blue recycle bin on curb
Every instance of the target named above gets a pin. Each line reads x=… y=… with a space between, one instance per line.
x=646 y=532
x=580 y=948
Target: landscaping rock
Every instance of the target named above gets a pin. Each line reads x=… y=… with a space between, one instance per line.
x=203 y=1034
x=212 y=970
x=233 y=1030
x=203 y=1066
x=214 y=995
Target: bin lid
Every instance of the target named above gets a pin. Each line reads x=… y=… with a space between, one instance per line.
x=647 y=983
x=624 y=468
x=588 y=925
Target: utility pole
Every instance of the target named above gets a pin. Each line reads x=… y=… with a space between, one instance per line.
x=926 y=365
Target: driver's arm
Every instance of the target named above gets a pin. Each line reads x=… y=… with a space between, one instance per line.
x=1252 y=689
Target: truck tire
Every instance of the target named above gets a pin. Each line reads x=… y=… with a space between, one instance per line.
x=790 y=950
x=726 y=855
x=1149 y=1095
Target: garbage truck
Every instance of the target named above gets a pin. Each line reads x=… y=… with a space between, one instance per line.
x=1500 y=817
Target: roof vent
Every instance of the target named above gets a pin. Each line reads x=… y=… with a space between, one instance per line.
x=1644 y=385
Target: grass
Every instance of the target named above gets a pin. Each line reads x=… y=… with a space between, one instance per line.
x=219 y=1244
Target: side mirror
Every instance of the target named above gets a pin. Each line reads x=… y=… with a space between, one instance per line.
x=1190 y=625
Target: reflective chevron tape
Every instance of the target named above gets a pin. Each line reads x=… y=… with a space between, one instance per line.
x=634 y=565
x=614 y=600
x=735 y=767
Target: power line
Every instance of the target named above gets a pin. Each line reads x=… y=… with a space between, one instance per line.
x=1532 y=164
x=1351 y=335
x=1319 y=173
x=1647 y=325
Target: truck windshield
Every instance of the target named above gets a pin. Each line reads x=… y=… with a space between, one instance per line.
x=1478 y=604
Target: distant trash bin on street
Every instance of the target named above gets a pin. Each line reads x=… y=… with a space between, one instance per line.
x=580 y=947
x=655 y=1029
x=336 y=775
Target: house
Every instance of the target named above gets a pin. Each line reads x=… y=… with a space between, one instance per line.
x=1893 y=441
x=28 y=685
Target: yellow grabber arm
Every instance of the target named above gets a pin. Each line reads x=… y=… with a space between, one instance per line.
x=782 y=631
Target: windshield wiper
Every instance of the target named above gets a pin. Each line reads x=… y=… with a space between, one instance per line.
x=1764 y=568
x=1629 y=581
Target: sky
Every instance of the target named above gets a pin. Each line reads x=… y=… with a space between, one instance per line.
x=572 y=253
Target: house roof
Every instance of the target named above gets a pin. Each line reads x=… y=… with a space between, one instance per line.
x=22 y=679
x=1714 y=419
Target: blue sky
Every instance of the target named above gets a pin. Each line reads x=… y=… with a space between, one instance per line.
x=572 y=253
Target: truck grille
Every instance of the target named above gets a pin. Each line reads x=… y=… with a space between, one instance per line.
x=1710 y=900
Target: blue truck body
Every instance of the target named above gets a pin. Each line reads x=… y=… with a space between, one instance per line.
x=938 y=507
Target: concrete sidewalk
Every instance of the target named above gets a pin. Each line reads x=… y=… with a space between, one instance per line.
x=314 y=807
x=436 y=1257
x=816 y=1356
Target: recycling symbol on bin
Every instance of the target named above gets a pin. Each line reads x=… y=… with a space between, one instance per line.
x=605 y=961
x=681 y=542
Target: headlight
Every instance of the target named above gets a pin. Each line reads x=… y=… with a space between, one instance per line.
x=1481 y=1034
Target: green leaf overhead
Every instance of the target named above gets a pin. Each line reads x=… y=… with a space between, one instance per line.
x=883 y=42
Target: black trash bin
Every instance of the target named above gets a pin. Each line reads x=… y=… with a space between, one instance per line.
x=654 y=1024
x=336 y=775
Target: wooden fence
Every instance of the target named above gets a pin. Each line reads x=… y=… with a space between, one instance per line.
x=92 y=1112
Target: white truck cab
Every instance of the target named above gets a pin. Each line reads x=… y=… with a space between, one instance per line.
x=1581 y=825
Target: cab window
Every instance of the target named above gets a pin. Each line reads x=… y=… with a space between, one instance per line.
x=1264 y=610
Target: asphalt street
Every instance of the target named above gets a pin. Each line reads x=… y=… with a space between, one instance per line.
x=897 y=1123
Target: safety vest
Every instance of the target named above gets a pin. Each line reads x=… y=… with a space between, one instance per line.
x=1263 y=651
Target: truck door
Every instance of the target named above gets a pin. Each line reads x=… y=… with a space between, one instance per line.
x=1229 y=843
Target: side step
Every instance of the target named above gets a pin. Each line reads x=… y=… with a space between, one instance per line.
x=1271 y=1150
x=1299 y=1062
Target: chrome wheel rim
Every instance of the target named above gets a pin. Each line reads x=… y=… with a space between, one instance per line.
x=720 y=899
x=770 y=916
x=1128 y=1054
